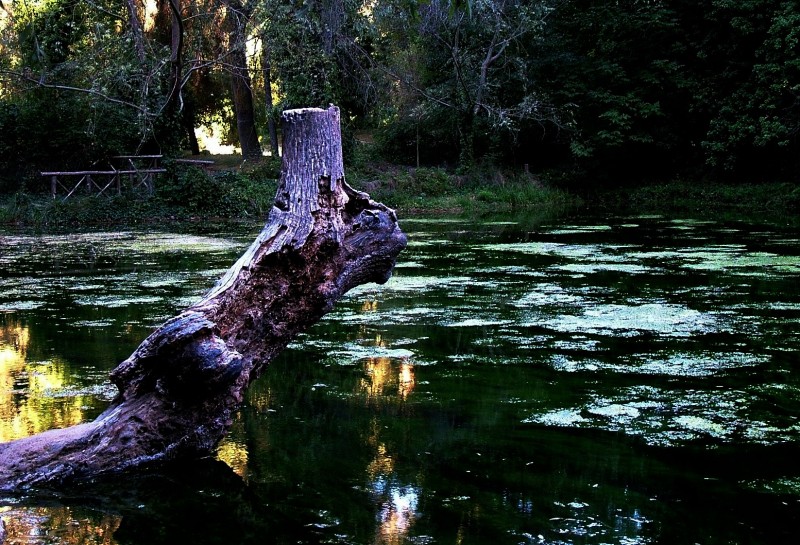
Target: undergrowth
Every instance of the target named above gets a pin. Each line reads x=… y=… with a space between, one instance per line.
x=183 y=193
x=193 y=194
x=706 y=198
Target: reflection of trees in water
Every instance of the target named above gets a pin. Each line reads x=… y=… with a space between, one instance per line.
x=200 y=501
x=397 y=504
x=398 y=512
x=385 y=375
x=64 y=525
x=389 y=380
x=234 y=452
x=28 y=403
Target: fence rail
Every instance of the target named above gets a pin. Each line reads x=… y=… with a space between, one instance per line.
x=108 y=182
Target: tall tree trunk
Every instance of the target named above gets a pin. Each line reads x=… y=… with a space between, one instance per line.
x=136 y=30
x=174 y=100
x=266 y=65
x=241 y=86
x=179 y=391
x=188 y=122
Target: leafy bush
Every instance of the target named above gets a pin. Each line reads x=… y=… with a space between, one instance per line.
x=191 y=191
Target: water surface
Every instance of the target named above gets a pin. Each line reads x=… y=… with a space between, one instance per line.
x=614 y=380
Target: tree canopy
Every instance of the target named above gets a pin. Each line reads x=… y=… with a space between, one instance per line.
x=612 y=90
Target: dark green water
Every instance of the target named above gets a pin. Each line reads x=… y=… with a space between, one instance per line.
x=591 y=381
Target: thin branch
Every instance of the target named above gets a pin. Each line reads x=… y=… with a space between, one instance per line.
x=43 y=84
x=104 y=10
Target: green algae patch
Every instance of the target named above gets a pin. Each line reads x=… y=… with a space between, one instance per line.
x=659 y=318
x=413 y=284
x=592 y=268
x=478 y=322
x=788 y=486
x=668 y=365
x=117 y=301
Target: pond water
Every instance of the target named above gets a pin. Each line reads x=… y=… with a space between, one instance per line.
x=624 y=380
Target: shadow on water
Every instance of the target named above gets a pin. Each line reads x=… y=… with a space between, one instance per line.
x=589 y=381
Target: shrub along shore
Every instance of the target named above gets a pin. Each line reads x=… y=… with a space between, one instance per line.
x=187 y=193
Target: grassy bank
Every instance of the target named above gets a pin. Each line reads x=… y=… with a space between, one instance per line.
x=237 y=191
x=183 y=194
x=435 y=189
x=702 y=199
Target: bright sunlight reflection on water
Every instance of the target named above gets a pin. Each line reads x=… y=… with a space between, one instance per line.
x=32 y=396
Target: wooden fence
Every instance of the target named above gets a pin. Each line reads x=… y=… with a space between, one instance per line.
x=135 y=173
x=138 y=174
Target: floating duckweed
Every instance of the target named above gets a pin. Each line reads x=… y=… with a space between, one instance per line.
x=675 y=365
x=701 y=425
x=590 y=345
x=416 y=283
x=690 y=222
x=783 y=485
x=104 y=391
x=616 y=411
x=352 y=352
x=398 y=316
x=115 y=301
x=665 y=319
x=731 y=258
x=416 y=243
x=77 y=286
x=511 y=270
x=579 y=229
x=697 y=365
x=434 y=221
x=185 y=302
x=592 y=268
x=171 y=242
x=565 y=364
x=549 y=294
x=668 y=417
x=672 y=340
x=164 y=282
x=573 y=251
x=94 y=323
x=478 y=322
x=559 y=418
x=20 y=305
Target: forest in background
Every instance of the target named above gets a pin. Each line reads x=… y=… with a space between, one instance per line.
x=582 y=92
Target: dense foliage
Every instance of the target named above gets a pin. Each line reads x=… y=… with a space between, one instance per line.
x=615 y=92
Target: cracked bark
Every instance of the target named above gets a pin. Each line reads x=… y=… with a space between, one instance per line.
x=179 y=390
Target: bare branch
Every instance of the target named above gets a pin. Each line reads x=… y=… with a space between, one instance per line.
x=40 y=82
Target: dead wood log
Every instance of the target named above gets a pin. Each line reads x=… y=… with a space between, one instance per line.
x=179 y=390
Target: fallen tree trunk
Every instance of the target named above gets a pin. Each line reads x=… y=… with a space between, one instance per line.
x=179 y=390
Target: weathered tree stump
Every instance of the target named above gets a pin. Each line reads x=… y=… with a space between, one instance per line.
x=179 y=390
